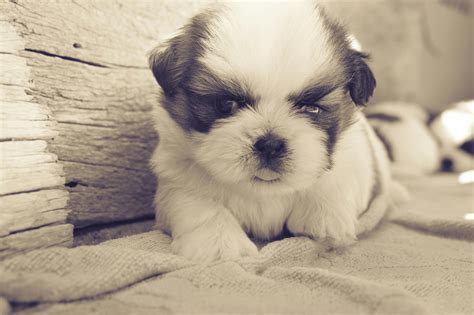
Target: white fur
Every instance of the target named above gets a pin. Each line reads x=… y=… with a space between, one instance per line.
x=208 y=217
x=208 y=198
x=255 y=44
x=329 y=208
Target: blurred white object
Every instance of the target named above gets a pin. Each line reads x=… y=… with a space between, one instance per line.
x=403 y=129
x=466 y=177
x=454 y=129
x=469 y=216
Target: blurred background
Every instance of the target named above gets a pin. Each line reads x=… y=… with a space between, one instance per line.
x=422 y=50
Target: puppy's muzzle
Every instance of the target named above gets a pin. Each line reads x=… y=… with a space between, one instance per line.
x=270 y=150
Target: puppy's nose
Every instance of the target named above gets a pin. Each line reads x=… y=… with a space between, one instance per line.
x=270 y=147
x=447 y=165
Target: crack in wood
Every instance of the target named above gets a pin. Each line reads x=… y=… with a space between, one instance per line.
x=45 y=53
x=90 y=63
x=30 y=190
x=64 y=122
x=75 y=183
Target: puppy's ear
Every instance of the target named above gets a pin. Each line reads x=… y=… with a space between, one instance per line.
x=168 y=63
x=362 y=83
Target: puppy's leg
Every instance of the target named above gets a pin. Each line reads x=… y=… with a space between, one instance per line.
x=358 y=179
x=327 y=221
x=202 y=230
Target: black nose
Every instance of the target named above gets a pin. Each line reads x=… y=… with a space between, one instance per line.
x=447 y=165
x=270 y=148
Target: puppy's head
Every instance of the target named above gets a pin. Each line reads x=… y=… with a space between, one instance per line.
x=453 y=129
x=263 y=90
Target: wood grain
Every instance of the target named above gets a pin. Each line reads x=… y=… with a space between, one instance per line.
x=57 y=235
x=33 y=199
x=87 y=67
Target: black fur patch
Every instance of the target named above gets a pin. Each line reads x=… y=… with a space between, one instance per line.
x=311 y=94
x=360 y=79
x=333 y=118
x=170 y=64
x=383 y=117
x=334 y=123
x=386 y=143
x=468 y=147
x=431 y=117
x=190 y=89
x=362 y=83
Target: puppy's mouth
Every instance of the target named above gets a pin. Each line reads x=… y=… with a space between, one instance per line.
x=267 y=176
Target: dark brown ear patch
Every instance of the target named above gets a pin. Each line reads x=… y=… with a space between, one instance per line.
x=167 y=66
x=362 y=83
x=171 y=61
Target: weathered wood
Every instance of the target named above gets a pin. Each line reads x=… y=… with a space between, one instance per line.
x=32 y=214
x=21 y=148
x=91 y=71
x=30 y=210
x=18 y=180
x=27 y=160
x=57 y=235
x=25 y=170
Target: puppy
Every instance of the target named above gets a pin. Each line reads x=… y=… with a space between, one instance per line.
x=454 y=130
x=261 y=129
x=402 y=127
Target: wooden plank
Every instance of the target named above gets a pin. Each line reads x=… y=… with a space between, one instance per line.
x=32 y=215
x=10 y=149
x=56 y=235
x=18 y=110
x=30 y=210
x=10 y=41
x=91 y=71
x=17 y=180
x=28 y=129
x=14 y=70
x=29 y=160
x=44 y=200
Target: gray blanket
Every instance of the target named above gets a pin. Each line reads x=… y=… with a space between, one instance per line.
x=419 y=261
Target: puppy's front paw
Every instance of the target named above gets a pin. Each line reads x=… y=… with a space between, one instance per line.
x=206 y=244
x=334 y=229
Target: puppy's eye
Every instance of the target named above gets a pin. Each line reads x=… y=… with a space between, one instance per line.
x=227 y=107
x=310 y=109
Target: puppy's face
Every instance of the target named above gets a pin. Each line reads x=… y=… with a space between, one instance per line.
x=263 y=90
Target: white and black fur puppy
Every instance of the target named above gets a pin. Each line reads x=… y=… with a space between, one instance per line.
x=260 y=130
x=454 y=130
x=402 y=128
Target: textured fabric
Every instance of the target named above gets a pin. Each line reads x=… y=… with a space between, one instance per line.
x=418 y=262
